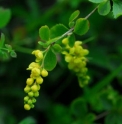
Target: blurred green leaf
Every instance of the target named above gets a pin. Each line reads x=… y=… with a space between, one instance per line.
x=79 y=108
x=9 y=47
x=50 y=60
x=71 y=39
x=44 y=33
x=75 y=3
x=113 y=118
x=59 y=115
x=13 y=54
x=104 y=8
x=105 y=81
x=5 y=15
x=2 y=40
x=71 y=24
x=96 y=1
x=74 y=15
x=57 y=48
x=78 y=122
x=91 y=117
x=82 y=26
x=117 y=8
x=28 y=120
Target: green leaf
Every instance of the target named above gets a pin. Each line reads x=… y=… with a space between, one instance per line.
x=9 y=47
x=96 y=1
x=90 y=117
x=75 y=3
x=74 y=15
x=104 y=8
x=105 y=80
x=45 y=45
x=79 y=121
x=117 y=8
x=111 y=118
x=57 y=48
x=71 y=39
x=50 y=60
x=58 y=30
x=28 y=120
x=79 y=108
x=44 y=33
x=53 y=40
x=71 y=24
x=5 y=15
x=81 y=26
x=2 y=40
x=13 y=54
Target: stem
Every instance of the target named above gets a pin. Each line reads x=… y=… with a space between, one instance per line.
x=102 y=115
x=42 y=64
x=91 y=13
x=58 y=38
x=70 y=30
x=23 y=50
x=65 y=34
x=4 y=49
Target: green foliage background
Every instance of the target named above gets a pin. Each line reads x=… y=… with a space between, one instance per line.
x=100 y=101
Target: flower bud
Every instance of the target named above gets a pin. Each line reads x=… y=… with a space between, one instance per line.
x=85 y=52
x=35 y=72
x=36 y=94
x=77 y=43
x=30 y=94
x=33 y=65
x=65 y=41
x=39 y=80
x=34 y=88
x=44 y=73
x=27 y=107
x=29 y=81
x=68 y=58
x=39 y=55
x=26 y=98
x=33 y=100
x=27 y=89
x=29 y=101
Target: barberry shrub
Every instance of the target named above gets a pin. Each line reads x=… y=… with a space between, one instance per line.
x=61 y=40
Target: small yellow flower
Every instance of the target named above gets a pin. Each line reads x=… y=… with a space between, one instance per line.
x=36 y=94
x=33 y=83
x=35 y=72
x=68 y=58
x=34 y=88
x=27 y=107
x=44 y=73
x=26 y=98
x=31 y=94
x=38 y=54
x=77 y=43
x=27 y=89
x=29 y=81
x=75 y=57
x=39 y=80
x=65 y=41
x=33 y=65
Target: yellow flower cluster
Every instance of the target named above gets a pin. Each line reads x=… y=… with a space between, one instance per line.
x=33 y=82
x=75 y=57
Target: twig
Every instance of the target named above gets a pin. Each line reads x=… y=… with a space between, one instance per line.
x=91 y=13
x=102 y=115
